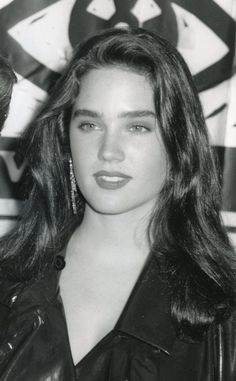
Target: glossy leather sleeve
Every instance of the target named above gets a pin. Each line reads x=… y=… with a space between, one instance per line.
x=33 y=341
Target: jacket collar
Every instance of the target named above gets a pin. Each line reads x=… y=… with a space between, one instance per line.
x=146 y=315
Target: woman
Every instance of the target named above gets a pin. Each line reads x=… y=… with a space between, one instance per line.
x=125 y=188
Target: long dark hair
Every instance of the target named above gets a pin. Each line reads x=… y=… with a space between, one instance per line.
x=7 y=80
x=185 y=231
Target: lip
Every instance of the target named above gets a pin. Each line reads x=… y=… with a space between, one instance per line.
x=111 y=180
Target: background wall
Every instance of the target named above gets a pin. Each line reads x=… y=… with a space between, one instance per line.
x=38 y=36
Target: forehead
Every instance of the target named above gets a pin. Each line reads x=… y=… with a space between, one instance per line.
x=115 y=88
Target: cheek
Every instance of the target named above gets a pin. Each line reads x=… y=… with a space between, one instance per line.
x=152 y=163
x=79 y=149
x=83 y=164
x=77 y=155
x=83 y=147
x=80 y=159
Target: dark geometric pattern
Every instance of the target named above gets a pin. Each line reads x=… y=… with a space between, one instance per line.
x=83 y=24
x=223 y=26
x=22 y=62
x=8 y=188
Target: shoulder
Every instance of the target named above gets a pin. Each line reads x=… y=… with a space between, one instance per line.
x=41 y=289
x=33 y=316
x=227 y=334
x=21 y=299
x=223 y=343
x=24 y=307
x=227 y=330
x=36 y=291
x=8 y=295
x=9 y=291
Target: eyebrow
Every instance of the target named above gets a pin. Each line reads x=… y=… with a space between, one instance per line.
x=125 y=114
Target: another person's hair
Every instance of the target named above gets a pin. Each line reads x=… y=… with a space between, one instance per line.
x=7 y=80
x=185 y=230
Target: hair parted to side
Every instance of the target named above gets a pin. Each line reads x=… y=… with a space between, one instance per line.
x=7 y=80
x=185 y=231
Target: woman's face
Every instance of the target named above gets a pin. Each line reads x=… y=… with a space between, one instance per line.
x=117 y=152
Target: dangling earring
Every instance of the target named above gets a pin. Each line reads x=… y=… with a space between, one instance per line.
x=73 y=190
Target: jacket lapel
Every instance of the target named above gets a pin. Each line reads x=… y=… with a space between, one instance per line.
x=146 y=315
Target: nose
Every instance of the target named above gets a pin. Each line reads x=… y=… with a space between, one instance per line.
x=111 y=147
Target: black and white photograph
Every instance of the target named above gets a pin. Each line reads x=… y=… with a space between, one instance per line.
x=117 y=190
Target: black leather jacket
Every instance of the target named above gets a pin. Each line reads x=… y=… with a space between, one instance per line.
x=34 y=343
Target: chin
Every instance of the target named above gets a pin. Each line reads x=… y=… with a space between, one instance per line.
x=108 y=210
x=117 y=208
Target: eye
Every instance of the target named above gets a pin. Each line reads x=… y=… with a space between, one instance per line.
x=87 y=126
x=139 y=128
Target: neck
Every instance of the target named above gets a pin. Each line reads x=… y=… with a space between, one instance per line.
x=117 y=233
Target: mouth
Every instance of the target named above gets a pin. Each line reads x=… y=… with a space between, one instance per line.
x=111 y=180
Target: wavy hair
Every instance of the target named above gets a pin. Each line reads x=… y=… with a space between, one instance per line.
x=7 y=80
x=185 y=231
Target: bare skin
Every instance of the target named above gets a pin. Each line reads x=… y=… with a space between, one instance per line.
x=98 y=278
x=113 y=129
